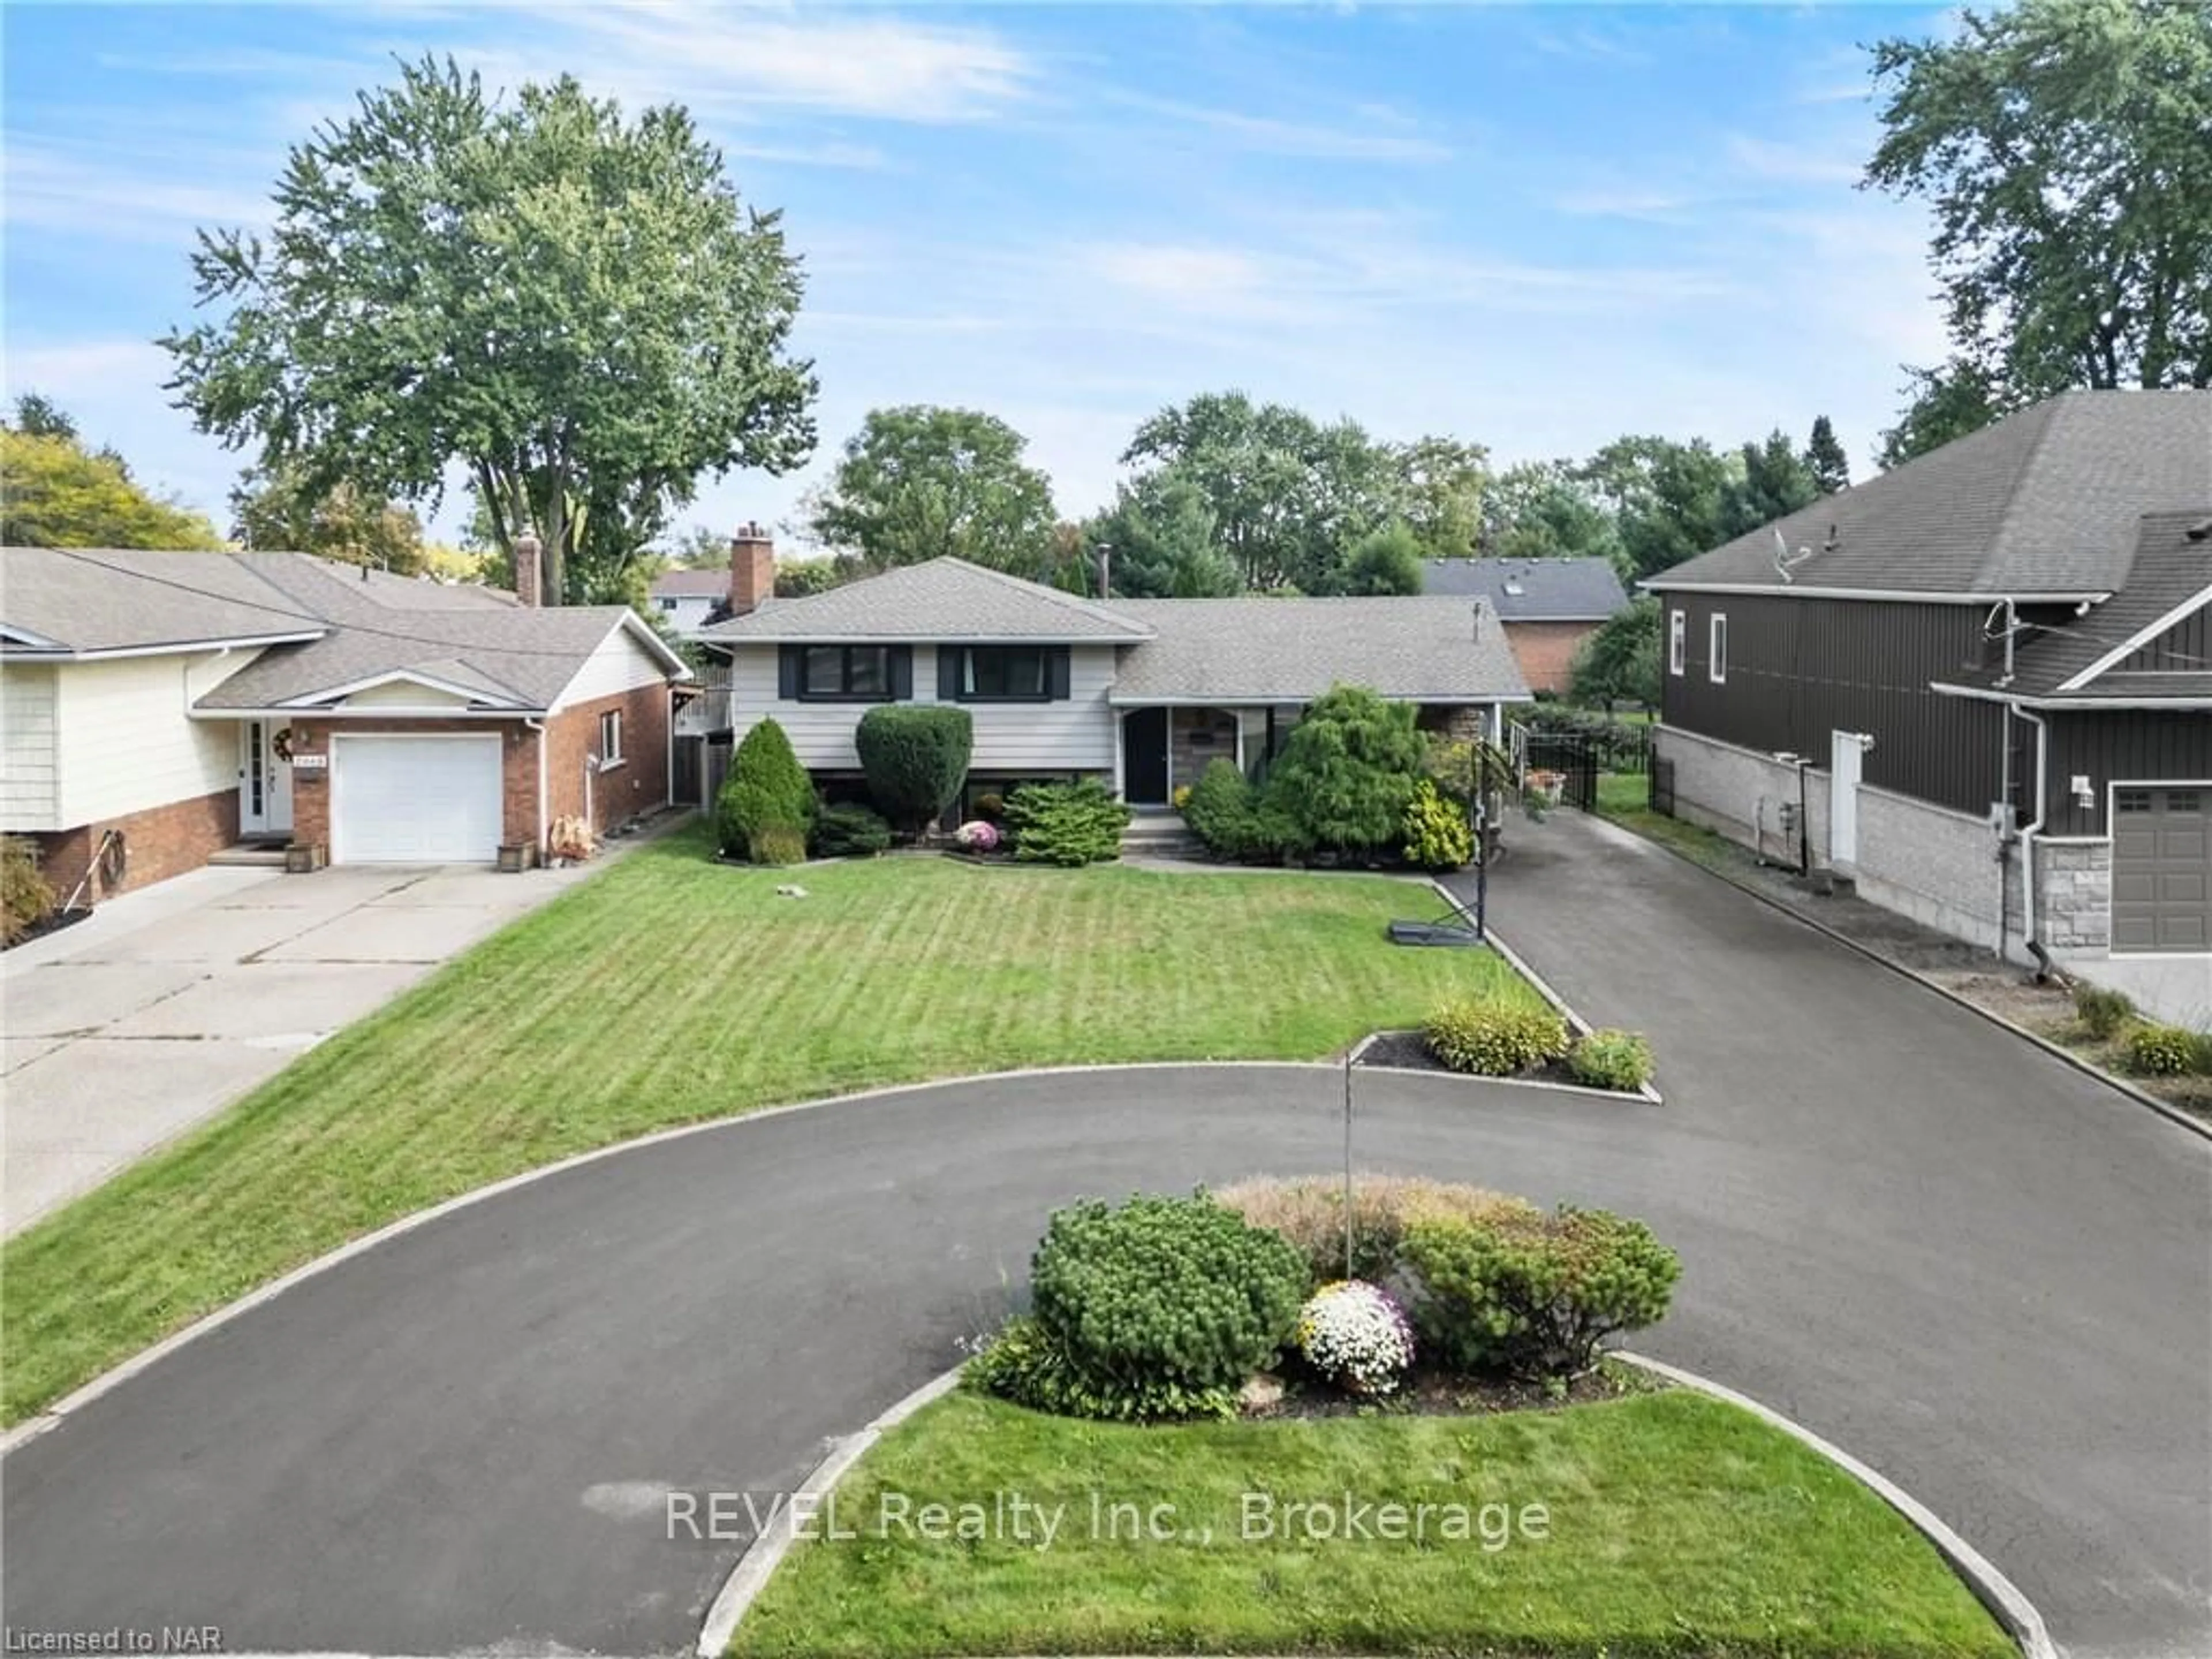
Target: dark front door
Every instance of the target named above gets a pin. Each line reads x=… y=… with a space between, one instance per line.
x=1145 y=757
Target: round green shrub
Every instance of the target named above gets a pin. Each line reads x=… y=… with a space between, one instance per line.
x=1067 y=823
x=1610 y=1060
x=1534 y=1296
x=1219 y=810
x=1027 y=1365
x=916 y=758
x=849 y=830
x=1437 y=833
x=2161 y=1050
x=1165 y=1294
x=1493 y=1036
x=767 y=790
x=2103 y=1014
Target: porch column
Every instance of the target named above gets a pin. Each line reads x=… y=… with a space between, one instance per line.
x=1121 y=783
x=1237 y=714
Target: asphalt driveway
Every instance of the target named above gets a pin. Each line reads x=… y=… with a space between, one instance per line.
x=168 y=1003
x=1985 y=1273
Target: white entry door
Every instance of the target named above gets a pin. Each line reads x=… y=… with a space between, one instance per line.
x=414 y=799
x=265 y=780
x=1846 y=751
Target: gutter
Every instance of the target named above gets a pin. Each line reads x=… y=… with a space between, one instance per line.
x=539 y=726
x=1983 y=693
x=2027 y=834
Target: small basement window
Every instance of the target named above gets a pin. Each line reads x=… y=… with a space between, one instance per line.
x=610 y=749
x=1716 y=644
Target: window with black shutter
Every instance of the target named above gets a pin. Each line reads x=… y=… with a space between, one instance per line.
x=847 y=673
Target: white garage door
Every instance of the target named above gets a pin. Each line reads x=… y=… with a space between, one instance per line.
x=414 y=800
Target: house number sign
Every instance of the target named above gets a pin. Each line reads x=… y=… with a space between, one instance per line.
x=310 y=762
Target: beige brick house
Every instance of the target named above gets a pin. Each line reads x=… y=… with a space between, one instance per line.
x=160 y=707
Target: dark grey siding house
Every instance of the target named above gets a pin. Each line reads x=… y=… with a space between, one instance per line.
x=1980 y=686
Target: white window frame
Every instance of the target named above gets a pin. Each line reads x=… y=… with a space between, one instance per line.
x=611 y=739
x=1716 y=647
x=1678 y=641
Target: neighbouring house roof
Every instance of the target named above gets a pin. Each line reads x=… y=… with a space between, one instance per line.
x=1531 y=590
x=335 y=627
x=2170 y=576
x=1291 y=650
x=944 y=598
x=2043 y=502
x=710 y=584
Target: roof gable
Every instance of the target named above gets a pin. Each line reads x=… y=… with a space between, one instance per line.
x=944 y=598
x=2043 y=502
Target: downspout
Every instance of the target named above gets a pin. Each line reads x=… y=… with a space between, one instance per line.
x=539 y=726
x=2027 y=834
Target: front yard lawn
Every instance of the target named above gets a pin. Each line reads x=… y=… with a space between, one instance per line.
x=671 y=990
x=1675 y=1526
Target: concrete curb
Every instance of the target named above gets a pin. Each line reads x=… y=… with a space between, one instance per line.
x=2087 y=1068
x=31 y=1427
x=766 y=1553
x=2006 y=1604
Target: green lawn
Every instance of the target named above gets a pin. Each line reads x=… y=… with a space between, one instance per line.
x=672 y=989
x=1626 y=797
x=1676 y=1526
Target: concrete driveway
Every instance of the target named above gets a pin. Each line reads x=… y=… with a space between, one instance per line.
x=168 y=1003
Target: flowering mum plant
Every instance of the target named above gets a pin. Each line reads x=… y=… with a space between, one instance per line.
x=1356 y=1335
x=977 y=836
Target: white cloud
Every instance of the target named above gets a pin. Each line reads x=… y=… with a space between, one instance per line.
x=1316 y=140
x=1786 y=163
x=49 y=190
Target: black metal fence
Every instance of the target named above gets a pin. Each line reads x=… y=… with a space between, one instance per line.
x=1566 y=761
x=1661 y=796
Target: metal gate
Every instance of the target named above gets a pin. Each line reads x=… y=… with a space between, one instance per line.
x=1569 y=756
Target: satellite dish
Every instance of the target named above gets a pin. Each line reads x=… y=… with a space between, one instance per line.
x=1785 y=560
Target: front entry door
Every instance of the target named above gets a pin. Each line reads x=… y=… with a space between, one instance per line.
x=265 y=781
x=1847 y=753
x=1145 y=757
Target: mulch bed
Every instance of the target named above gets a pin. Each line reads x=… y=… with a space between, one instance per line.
x=1408 y=1051
x=1432 y=1394
x=52 y=924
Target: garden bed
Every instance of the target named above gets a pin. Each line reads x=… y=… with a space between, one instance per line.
x=1665 y=1523
x=1408 y=1051
x=1436 y=1393
x=52 y=923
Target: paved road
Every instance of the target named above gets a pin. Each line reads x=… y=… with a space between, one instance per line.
x=168 y=1003
x=1986 y=1274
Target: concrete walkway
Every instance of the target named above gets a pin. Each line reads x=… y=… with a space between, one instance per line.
x=1982 y=1272
x=168 y=1003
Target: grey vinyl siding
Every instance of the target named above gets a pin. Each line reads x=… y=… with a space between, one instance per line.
x=2184 y=648
x=1800 y=670
x=2124 y=746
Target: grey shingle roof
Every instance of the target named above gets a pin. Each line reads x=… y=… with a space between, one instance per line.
x=370 y=624
x=2045 y=501
x=122 y=599
x=942 y=599
x=1531 y=590
x=2168 y=570
x=1291 y=650
x=690 y=583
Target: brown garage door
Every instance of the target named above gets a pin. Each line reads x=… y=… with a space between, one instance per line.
x=2162 y=869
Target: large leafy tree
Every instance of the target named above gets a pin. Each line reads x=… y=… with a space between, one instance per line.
x=1159 y=543
x=1770 y=481
x=1671 y=500
x=1289 y=495
x=919 y=481
x=1440 y=496
x=277 y=509
x=1619 y=662
x=572 y=307
x=1547 y=510
x=56 y=493
x=2065 y=147
x=1385 y=561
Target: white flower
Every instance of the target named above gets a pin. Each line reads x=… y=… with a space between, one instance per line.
x=1356 y=1335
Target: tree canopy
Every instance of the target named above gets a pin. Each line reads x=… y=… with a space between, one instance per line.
x=56 y=493
x=1159 y=542
x=1824 y=459
x=573 y=307
x=1619 y=661
x=278 y=510
x=2062 y=146
x=1384 y=561
x=918 y=481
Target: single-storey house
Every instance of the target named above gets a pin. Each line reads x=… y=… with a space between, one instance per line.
x=1549 y=606
x=1141 y=694
x=1980 y=686
x=160 y=707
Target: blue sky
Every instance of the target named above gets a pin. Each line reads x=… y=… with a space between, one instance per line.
x=1535 y=226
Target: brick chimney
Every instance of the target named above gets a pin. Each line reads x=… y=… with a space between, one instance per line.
x=752 y=569
x=529 y=570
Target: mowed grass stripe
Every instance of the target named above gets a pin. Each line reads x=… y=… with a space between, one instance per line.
x=670 y=990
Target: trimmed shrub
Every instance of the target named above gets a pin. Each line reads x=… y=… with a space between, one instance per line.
x=850 y=830
x=991 y=805
x=1493 y=1036
x=25 y=898
x=2161 y=1050
x=1158 y=1307
x=779 y=843
x=767 y=790
x=2200 y=1057
x=1180 y=798
x=1218 y=809
x=1067 y=823
x=1535 y=1298
x=915 y=757
x=1309 y=1212
x=1029 y=1365
x=1356 y=1335
x=1437 y=833
x=1348 y=770
x=1610 y=1060
x=2103 y=1014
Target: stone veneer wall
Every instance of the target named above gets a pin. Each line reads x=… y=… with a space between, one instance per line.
x=2073 y=894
